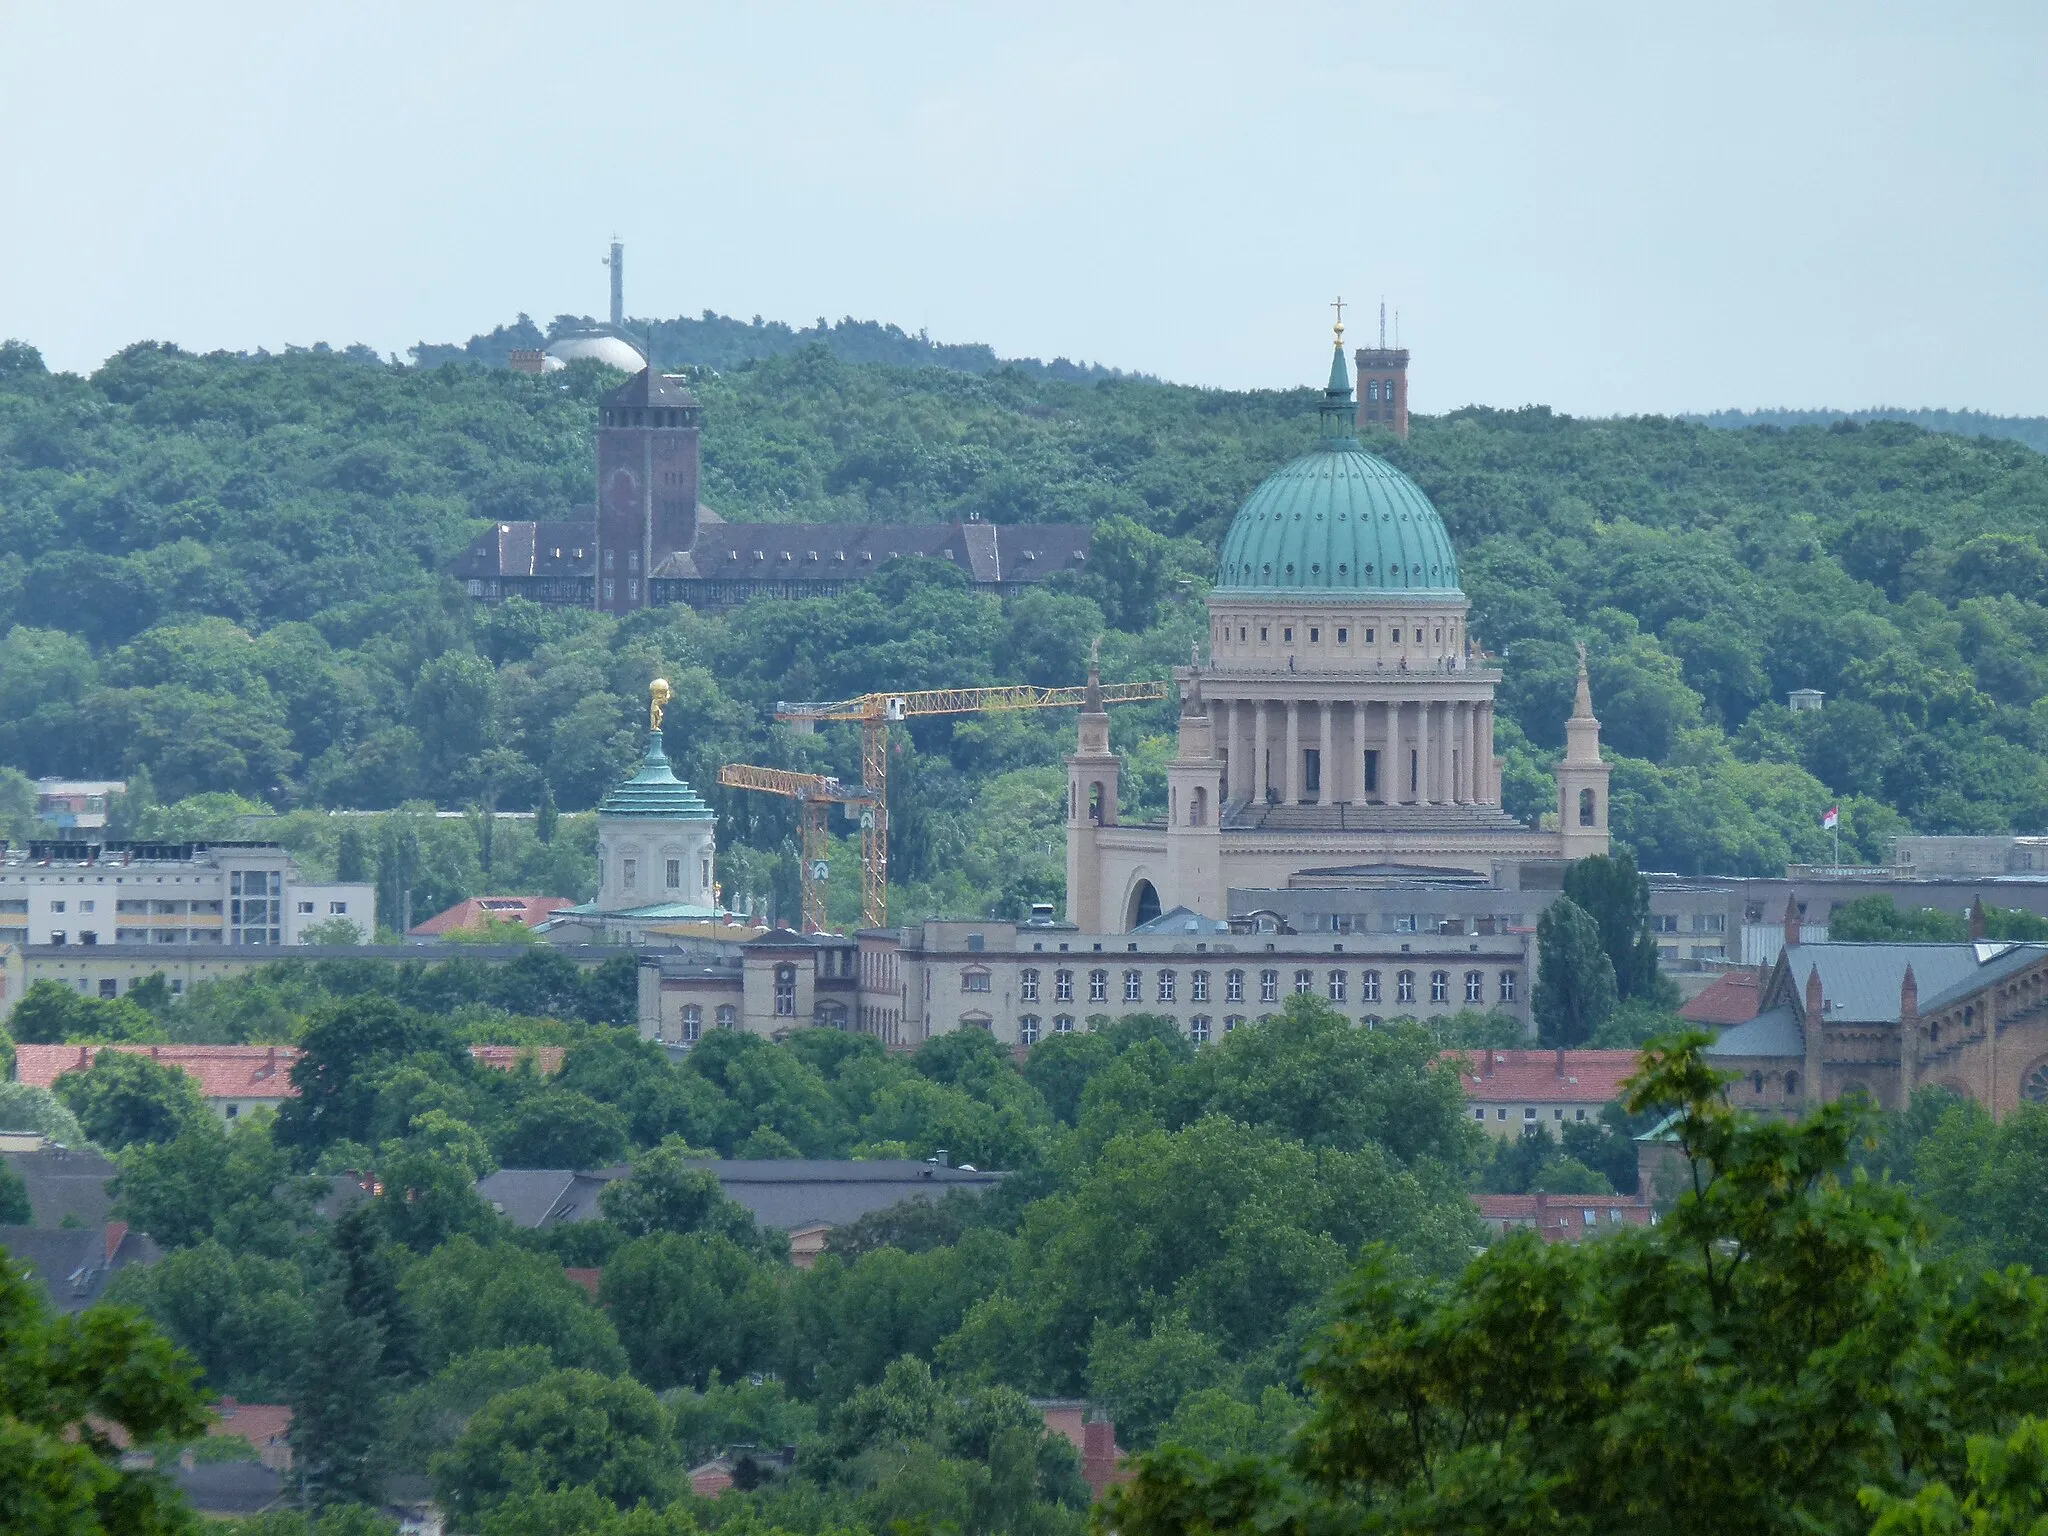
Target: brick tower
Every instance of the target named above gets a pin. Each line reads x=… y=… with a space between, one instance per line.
x=647 y=466
x=1383 y=384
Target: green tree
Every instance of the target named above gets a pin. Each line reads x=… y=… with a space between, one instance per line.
x=342 y=1052
x=15 y=1209
x=210 y=1180
x=689 y=1305
x=665 y=1194
x=561 y=1128
x=1608 y=889
x=465 y=1298
x=1636 y=1382
x=65 y=1384
x=51 y=1014
x=125 y=1097
x=571 y=1429
x=1575 y=990
x=1870 y=919
x=337 y=1406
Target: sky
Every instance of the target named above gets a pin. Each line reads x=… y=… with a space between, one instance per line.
x=1602 y=208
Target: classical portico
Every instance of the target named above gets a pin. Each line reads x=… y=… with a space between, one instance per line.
x=1343 y=717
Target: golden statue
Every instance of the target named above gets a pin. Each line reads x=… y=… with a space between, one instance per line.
x=660 y=693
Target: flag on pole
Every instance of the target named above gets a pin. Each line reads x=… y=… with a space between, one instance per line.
x=1830 y=820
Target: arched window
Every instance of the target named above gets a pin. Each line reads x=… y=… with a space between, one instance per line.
x=1063 y=1024
x=1336 y=987
x=693 y=1024
x=1586 y=808
x=1756 y=1084
x=1095 y=802
x=1027 y=1030
x=728 y=1016
x=785 y=991
x=1475 y=986
x=1791 y=1084
x=1198 y=1029
x=1198 y=807
x=1369 y=987
x=1304 y=983
x=1439 y=986
x=1404 y=987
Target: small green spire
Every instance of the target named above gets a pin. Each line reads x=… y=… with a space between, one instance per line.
x=1338 y=411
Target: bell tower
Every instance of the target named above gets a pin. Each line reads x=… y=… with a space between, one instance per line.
x=1582 y=778
x=1194 y=803
x=1092 y=786
x=1383 y=384
x=647 y=470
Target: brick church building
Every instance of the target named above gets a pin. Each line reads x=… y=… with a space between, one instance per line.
x=649 y=539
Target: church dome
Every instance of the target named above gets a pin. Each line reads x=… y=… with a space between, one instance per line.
x=655 y=793
x=609 y=350
x=1338 y=519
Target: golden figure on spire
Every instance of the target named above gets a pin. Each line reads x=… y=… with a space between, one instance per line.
x=659 y=694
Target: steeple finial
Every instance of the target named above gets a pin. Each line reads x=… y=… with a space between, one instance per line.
x=1582 y=700
x=658 y=693
x=1091 y=700
x=1338 y=305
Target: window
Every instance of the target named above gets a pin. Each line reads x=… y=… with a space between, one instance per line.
x=1198 y=986
x=1756 y=1084
x=1791 y=1084
x=609 y=557
x=1404 y=987
x=1231 y=1023
x=1198 y=807
x=728 y=1016
x=1063 y=1024
x=629 y=873
x=1475 y=986
x=1287 y=635
x=1368 y=637
x=1397 y=637
x=608 y=585
x=975 y=980
x=1198 y=1029
x=1507 y=986
x=1063 y=986
x=1578 y=1114
x=785 y=991
x=1304 y=983
x=1586 y=808
x=338 y=908
x=1027 y=1029
x=1098 y=986
x=1134 y=986
x=1663 y=922
x=1336 y=986
x=305 y=907
x=633 y=589
x=1027 y=986
x=1315 y=635
x=1343 y=635
x=1439 y=986
x=693 y=1024
x=1269 y=986
x=1369 y=987
x=108 y=987
x=1528 y=1115
x=704 y=875
x=1262 y=632
x=1167 y=987
x=255 y=906
x=672 y=874
x=633 y=560
x=1233 y=986
x=1479 y=1114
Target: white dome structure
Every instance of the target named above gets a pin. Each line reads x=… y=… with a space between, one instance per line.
x=609 y=350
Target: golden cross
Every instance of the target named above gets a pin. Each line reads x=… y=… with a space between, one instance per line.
x=1339 y=307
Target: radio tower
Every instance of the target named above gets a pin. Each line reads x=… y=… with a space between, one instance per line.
x=617 y=262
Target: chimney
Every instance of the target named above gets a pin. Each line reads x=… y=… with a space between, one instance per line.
x=1816 y=1005
x=1487 y=1070
x=84 y=1057
x=1909 y=1000
x=1560 y=1062
x=1791 y=920
x=1976 y=919
x=117 y=1233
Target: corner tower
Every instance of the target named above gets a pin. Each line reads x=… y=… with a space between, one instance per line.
x=1194 y=808
x=648 y=457
x=1582 y=778
x=1092 y=787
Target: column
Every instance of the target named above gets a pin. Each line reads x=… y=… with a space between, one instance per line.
x=1256 y=785
x=1351 y=762
x=1425 y=739
x=1461 y=753
x=1326 y=792
x=1290 y=776
x=1446 y=738
x=1492 y=794
x=1393 y=776
x=1219 y=716
x=1478 y=774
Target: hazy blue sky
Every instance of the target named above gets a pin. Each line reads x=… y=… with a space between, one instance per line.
x=1623 y=207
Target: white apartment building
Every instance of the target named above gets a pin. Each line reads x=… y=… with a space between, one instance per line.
x=177 y=895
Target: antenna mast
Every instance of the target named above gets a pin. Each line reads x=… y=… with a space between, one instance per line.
x=617 y=262
x=1383 y=325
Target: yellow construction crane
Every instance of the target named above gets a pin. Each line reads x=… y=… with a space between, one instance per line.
x=875 y=711
x=815 y=794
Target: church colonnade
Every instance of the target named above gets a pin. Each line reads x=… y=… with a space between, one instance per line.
x=1373 y=751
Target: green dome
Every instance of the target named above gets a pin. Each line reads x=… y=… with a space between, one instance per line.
x=655 y=793
x=1338 y=519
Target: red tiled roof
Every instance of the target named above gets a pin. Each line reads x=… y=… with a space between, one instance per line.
x=529 y=910
x=222 y=1071
x=1730 y=998
x=262 y=1423
x=1532 y=1077
x=239 y=1071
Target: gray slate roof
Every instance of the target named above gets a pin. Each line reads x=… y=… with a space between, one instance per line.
x=1774 y=1032
x=62 y=1182
x=1861 y=981
x=780 y=1192
x=71 y=1263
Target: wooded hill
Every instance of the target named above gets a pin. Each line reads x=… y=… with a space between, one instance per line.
x=224 y=571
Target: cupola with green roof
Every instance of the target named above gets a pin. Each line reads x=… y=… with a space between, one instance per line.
x=1338 y=520
x=656 y=838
